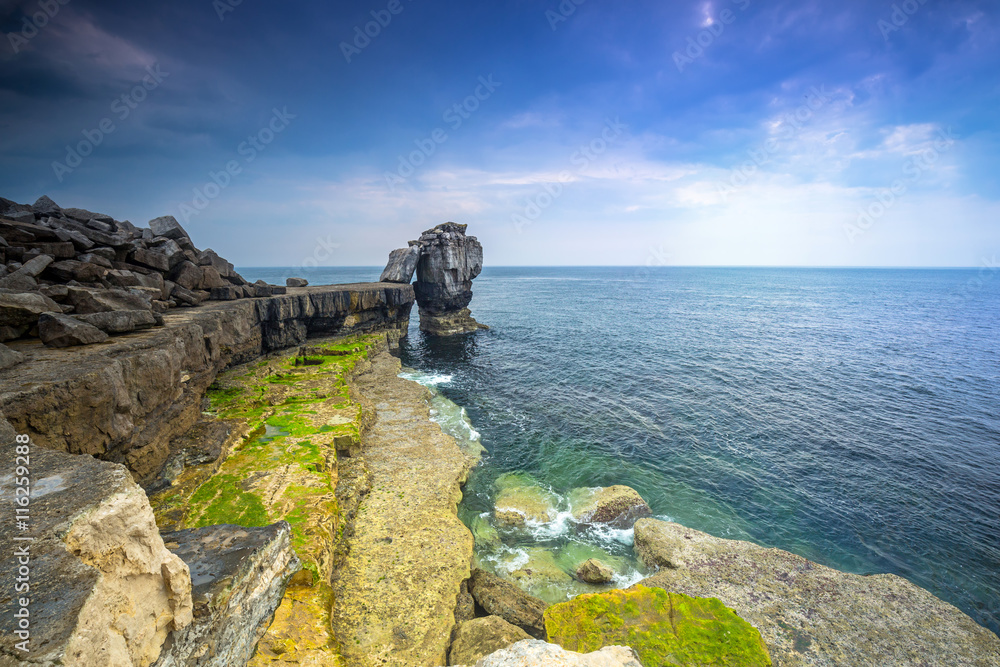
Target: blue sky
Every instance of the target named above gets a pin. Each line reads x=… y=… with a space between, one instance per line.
x=634 y=133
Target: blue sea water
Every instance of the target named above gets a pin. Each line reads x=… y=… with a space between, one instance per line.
x=850 y=416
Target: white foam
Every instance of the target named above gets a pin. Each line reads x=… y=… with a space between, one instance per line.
x=426 y=379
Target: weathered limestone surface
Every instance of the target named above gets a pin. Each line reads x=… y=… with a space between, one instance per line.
x=104 y=591
x=479 y=637
x=396 y=594
x=535 y=653
x=239 y=577
x=125 y=400
x=809 y=614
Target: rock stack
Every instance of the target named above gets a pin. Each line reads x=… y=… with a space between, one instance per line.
x=446 y=261
x=72 y=277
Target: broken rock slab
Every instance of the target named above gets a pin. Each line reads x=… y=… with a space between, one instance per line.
x=58 y=330
x=239 y=577
x=105 y=592
x=402 y=265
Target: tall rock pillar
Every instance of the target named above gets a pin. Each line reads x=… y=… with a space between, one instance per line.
x=449 y=260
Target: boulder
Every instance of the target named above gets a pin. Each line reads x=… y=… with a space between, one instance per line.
x=662 y=628
x=465 y=605
x=85 y=216
x=100 y=226
x=502 y=598
x=34 y=267
x=85 y=300
x=167 y=226
x=120 y=278
x=187 y=274
x=9 y=358
x=618 y=506
x=229 y=293
x=261 y=289
x=58 y=330
x=78 y=239
x=402 y=264
x=174 y=253
x=58 y=249
x=95 y=235
x=479 y=637
x=19 y=312
x=120 y=321
x=534 y=653
x=449 y=261
x=809 y=614
x=188 y=297
x=210 y=278
x=92 y=258
x=151 y=258
x=593 y=571
x=45 y=206
x=22 y=216
x=296 y=282
x=104 y=589
x=19 y=282
x=210 y=258
x=278 y=289
x=71 y=269
x=239 y=575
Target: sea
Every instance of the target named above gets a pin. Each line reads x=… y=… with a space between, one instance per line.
x=851 y=416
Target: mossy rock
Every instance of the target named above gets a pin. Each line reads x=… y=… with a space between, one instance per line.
x=663 y=628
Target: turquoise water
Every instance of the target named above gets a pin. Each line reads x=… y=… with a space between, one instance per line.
x=850 y=416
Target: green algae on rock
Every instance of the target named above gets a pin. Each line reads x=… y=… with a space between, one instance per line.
x=663 y=628
x=293 y=415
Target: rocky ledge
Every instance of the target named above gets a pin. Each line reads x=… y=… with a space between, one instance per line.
x=813 y=615
x=127 y=399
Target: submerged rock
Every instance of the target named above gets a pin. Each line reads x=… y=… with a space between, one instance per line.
x=810 y=614
x=104 y=589
x=663 y=628
x=521 y=499
x=617 y=506
x=504 y=599
x=534 y=653
x=479 y=637
x=594 y=571
x=239 y=576
x=516 y=506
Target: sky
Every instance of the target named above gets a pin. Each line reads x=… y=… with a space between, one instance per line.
x=727 y=132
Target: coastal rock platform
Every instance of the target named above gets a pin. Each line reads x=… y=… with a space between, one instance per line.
x=397 y=590
x=809 y=614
